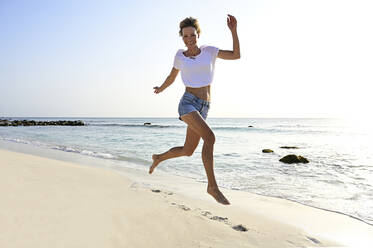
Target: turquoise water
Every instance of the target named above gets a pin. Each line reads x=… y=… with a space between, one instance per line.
x=339 y=176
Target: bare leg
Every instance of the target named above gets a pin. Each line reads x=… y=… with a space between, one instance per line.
x=191 y=143
x=172 y=153
x=196 y=123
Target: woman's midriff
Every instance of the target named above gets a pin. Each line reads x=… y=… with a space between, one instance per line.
x=202 y=93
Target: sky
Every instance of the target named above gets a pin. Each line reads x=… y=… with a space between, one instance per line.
x=77 y=58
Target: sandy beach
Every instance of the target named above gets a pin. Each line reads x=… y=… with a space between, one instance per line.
x=53 y=203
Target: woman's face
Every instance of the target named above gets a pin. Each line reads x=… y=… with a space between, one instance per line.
x=190 y=36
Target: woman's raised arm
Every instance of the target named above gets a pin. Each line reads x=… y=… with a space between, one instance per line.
x=235 y=54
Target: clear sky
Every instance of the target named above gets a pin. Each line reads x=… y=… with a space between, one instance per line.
x=90 y=58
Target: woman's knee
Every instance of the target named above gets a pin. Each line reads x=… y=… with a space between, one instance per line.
x=209 y=138
x=188 y=152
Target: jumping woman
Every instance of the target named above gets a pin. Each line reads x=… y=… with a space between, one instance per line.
x=197 y=66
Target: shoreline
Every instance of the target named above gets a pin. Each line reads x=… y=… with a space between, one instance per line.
x=299 y=224
x=80 y=158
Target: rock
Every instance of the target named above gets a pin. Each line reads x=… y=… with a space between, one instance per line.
x=290 y=159
x=289 y=147
x=250 y=126
x=267 y=151
x=79 y=123
x=4 y=123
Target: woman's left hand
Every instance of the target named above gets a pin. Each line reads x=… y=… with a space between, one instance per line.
x=232 y=23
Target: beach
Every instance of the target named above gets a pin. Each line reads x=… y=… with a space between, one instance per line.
x=53 y=203
x=95 y=94
x=337 y=178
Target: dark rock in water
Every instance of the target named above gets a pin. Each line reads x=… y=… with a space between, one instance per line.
x=250 y=126
x=290 y=159
x=267 y=151
x=78 y=123
x=4 y=123
x=147 y=124
x=289 y=147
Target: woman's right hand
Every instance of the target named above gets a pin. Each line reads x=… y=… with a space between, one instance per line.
x=157 y=90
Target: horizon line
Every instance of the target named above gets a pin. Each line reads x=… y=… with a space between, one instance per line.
x=168 y=117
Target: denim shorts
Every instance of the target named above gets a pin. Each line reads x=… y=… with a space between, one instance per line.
x=189 y=103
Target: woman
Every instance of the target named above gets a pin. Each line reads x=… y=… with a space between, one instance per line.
x=197 y=70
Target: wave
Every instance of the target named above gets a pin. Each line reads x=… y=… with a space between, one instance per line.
x=366 y=221
x=61 y=148
x=104 y=155
x=16 y=140
x=168 y=126
x=97 y=154
x=85 y=152
x=132 y=125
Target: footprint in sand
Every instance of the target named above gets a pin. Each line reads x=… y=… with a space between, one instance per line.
x=240 y=228
x=205 y=213
x=313 y=240
x=183 y=207
x=164 y=192
x=224 y=220
x=218 y=218
x=208 y=214
x=290 y=242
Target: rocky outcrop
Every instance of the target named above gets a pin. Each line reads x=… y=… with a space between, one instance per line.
x=6 y=123
x=267 y=150
x=290 y=159
x=289 y=147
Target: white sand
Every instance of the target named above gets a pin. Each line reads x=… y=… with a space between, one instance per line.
x=50 y=203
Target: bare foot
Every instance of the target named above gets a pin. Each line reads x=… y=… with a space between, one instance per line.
x=156 y=161
x=219 y=197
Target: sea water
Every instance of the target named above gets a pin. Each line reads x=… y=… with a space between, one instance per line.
x=339 y=176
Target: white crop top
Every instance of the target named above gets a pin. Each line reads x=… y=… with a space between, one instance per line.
x=197 y=71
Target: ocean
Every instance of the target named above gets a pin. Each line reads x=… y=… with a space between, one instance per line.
x=338 y=178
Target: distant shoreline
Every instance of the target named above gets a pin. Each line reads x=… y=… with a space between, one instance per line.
x=14 y=123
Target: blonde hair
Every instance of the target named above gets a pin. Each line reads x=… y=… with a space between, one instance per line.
x=189 y=22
